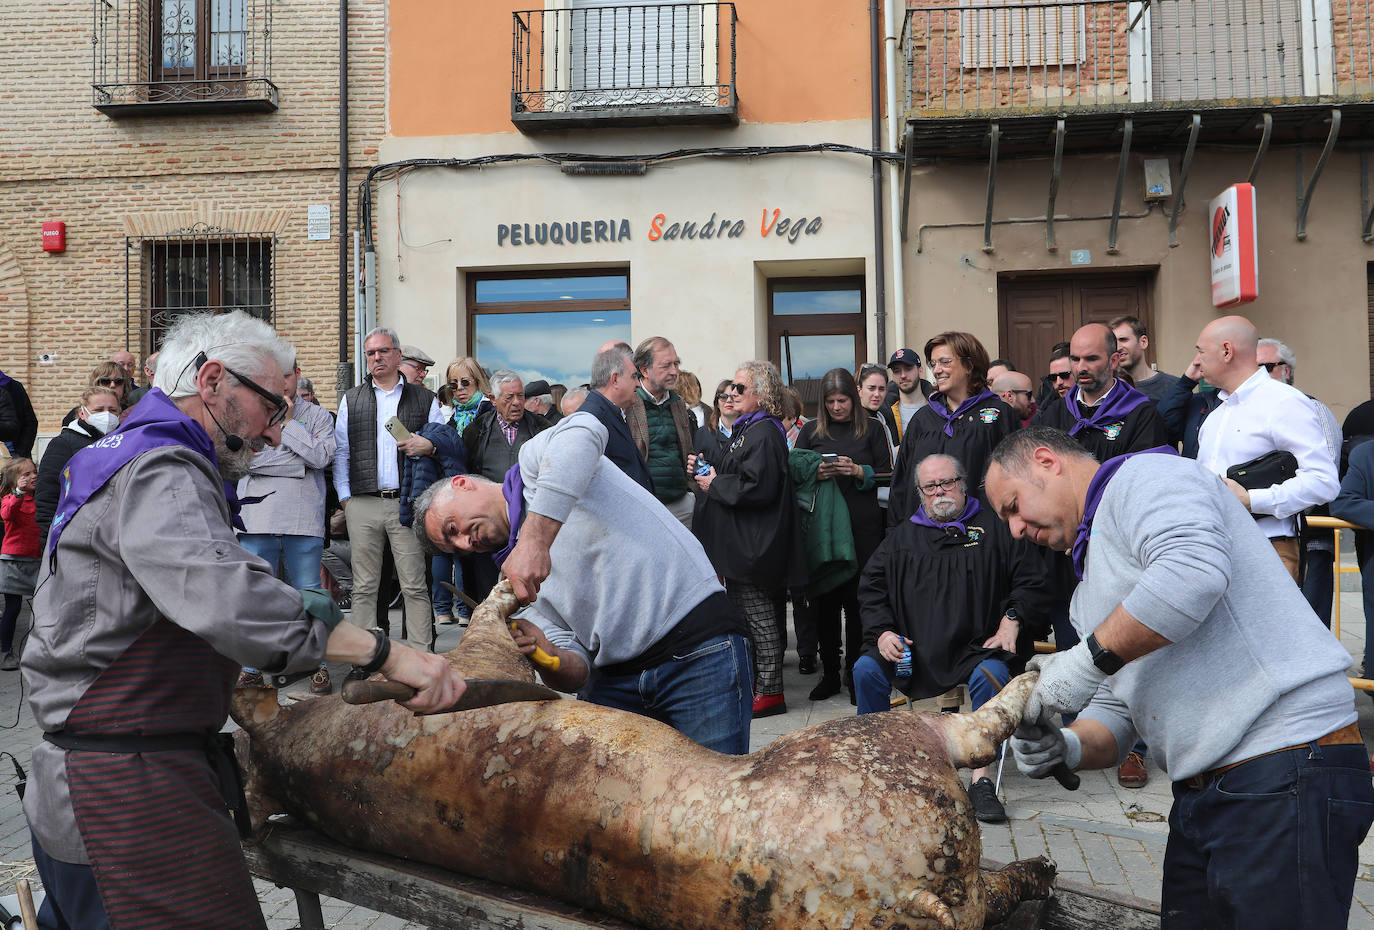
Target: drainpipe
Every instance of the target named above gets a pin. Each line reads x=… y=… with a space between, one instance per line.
x=879 y=247
x=895 y=118
x=344 y=379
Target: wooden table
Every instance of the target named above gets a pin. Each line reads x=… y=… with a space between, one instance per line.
x=312 y=865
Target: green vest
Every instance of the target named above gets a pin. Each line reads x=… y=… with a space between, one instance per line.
x=665 y=458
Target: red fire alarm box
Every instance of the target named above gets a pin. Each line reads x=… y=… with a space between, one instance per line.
x=54 y=236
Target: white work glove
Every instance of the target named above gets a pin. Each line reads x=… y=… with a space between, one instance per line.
x=1039 y=749
x=1068 y=681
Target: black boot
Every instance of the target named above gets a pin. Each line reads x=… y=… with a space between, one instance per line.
x=827 y=687
x=806 y=665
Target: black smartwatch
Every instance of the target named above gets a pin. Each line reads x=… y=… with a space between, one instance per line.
x=1109 y=662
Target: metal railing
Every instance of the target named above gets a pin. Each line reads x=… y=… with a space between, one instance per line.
x=1001 y=56
x=181 y=54
x=667 y=56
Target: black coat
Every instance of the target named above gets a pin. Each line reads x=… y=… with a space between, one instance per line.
x=21 y=427
x=1141 y=429
x=747 y=520
x=976 y=434
x=49 y=488
x=474 y=436
x=947 y=592
x=620 y=447
x=711 y=444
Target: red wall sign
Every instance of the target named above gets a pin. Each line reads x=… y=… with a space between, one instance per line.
x=54 y=236
x=1234 y=246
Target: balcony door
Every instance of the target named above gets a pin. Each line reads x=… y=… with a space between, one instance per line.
x=641 y=54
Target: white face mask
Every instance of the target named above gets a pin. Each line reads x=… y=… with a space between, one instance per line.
x=103 y=420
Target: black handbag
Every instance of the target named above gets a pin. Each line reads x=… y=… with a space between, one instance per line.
x=1266 y=471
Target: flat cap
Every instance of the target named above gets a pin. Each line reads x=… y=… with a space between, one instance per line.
x=416 y=355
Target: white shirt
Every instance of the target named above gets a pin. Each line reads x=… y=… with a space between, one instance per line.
x=1261 y=416
x=388 y=476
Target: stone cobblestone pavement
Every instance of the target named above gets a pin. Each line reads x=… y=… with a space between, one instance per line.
x=1102 y=835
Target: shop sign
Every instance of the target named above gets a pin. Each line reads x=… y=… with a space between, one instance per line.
x=1234 y=246
x=661 y=229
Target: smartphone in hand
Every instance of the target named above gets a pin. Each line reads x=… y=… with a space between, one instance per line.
x=397 y=429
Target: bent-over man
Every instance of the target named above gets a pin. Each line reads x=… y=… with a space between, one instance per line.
x=1196 y=640
x=627 y=599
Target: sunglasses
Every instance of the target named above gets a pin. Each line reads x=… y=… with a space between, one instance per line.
x=737 y=387
x=1061 y=376
x=931 y=487
x=724 y=395
x=1270 y=366
x=1015 y=391
x=461 y=382
x=110 y=382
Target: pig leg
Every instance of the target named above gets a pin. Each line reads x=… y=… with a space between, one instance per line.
x=972 y=739
x=1023 y=880
x=927 y=904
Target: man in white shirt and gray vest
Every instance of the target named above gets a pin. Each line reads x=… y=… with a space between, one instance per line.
x=367 y=476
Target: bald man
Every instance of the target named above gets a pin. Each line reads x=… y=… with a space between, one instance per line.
x=1017 y=390
x=1259 y=415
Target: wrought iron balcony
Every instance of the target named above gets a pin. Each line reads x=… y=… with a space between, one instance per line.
x=184 y=56
x=632 y=65
x=982 y=60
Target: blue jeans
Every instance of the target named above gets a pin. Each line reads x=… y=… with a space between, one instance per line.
x=1273 y=844
x=873 y=683
x=1319 y=582
x=300 y=555
x=73 y=901
x=706 y=694
x=446 y=568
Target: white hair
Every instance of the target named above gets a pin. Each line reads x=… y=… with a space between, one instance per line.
x=236 y=340
x=383 y=331
x=501 y=377
x=1284 y=353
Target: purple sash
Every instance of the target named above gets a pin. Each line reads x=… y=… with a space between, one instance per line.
x=513 y=490
x=971 y=510
x=1096 y=488
x=937 y=403
x=4 y=379
x=153 y=423
x=1121 y=400
x=754 y=417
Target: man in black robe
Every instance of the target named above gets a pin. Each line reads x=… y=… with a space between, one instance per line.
x=953 y=587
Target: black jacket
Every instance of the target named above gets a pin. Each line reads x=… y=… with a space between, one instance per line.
x=976 y=434
x=620 y=447
x=21 y=426
x=474 y=437
x=746 y=521
x=1183 y=412
x=1137 y=431
x=60 y=448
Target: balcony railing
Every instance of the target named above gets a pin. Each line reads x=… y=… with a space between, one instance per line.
x=639 y=64
x=987 y=57
x=183 y=56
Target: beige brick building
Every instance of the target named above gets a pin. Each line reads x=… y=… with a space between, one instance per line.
x=184 y=178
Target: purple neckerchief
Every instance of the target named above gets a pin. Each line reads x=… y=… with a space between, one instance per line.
x=1096 y=488
x=937 y=403
x=153 y=422
x=4 y=379
x=1120 y=400
x=743 y=422
x=513 y=490
x=971 y=510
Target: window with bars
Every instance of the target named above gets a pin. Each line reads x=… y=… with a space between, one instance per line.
x=200 y=39
x=199 y=269
x=1011 y=34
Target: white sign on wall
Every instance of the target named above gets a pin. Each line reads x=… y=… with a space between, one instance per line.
x=1234 y=246
x=317 y=221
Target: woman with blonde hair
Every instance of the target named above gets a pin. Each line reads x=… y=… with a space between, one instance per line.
x=689 y=389
x=468 y=393
x=107 y=376
x=746 y=519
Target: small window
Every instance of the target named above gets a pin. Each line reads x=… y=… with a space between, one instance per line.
x=814 y=325
x=546 y=326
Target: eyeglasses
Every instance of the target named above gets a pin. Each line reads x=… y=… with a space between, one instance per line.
x=461 y=382
x=931 y=487
x=724 y=395
x=1270 y=366
x=1061 y=376
x=1015 y=391
x=737 y=387
x=110 y=382
x=276 y=400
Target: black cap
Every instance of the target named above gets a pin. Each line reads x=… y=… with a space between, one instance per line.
x=536 y=388
x=905 y=357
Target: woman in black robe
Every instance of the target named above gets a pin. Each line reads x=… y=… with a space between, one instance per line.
x=843 y=427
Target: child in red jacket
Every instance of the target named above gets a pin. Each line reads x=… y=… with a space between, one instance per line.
x=20 y=551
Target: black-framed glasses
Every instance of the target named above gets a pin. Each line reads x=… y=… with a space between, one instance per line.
x=1061 y=376
x=1270 y=366
x=737 y=387
x=111 y=382
x=276 y=400
x=930 y=487
x=460 y=383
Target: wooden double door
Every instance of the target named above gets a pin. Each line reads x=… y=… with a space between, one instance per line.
x=1036 y=312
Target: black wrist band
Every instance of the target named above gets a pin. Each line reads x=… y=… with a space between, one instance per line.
x=382 y=654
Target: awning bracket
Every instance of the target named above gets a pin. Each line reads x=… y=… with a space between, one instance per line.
x=1183 y=179
x=1059 y=131
x=1127 y=130
x=994 y=136
x=1263 y=148
x=1305 y=190
x=906 y=177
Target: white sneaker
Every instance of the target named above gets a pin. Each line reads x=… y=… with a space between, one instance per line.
x=9 y=662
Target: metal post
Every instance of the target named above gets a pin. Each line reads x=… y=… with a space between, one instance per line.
x=1054 y=189
x=1127 y=129
x=1183 y=180
x=994 y=136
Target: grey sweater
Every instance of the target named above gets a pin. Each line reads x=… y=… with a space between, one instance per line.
x=624 y=569
x=1250 y=668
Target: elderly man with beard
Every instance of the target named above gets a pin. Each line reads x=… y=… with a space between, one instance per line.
x=132 y=784
x=953 y=587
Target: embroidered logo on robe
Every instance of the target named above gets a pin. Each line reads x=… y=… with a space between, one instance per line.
x=975 y=534
x=989 y=414
x=1114 y=430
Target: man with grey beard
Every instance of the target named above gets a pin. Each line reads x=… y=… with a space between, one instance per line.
x=142 y=560
x=951 y=587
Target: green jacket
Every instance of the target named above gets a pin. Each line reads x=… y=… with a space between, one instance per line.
x=827 y=537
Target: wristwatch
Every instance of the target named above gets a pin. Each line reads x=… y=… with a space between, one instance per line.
x=1109 y=662
x=1011 y=614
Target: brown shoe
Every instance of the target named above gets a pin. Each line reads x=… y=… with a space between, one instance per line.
x=1132 y=773
x=251 y=679
x=320 y=683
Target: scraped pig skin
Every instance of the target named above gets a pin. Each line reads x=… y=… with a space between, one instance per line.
x=855 y=823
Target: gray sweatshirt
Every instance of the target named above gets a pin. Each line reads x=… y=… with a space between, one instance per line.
x=1250 y=668
x=624 y=569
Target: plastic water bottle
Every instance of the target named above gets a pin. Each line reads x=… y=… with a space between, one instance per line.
x=703 y=466
x=904 y=664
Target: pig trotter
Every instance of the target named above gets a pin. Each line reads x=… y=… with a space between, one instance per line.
x=928 y=905
x=1023 y=880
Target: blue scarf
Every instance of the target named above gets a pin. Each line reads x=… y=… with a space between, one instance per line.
x=153 y=423
x=463 y=413
x=760 y=414
x=513 y=490
x=1121 y=400
x=971 y=510
x=937 y=403
x=1096 y=488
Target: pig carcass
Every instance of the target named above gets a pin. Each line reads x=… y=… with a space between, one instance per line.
x=859 y=822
